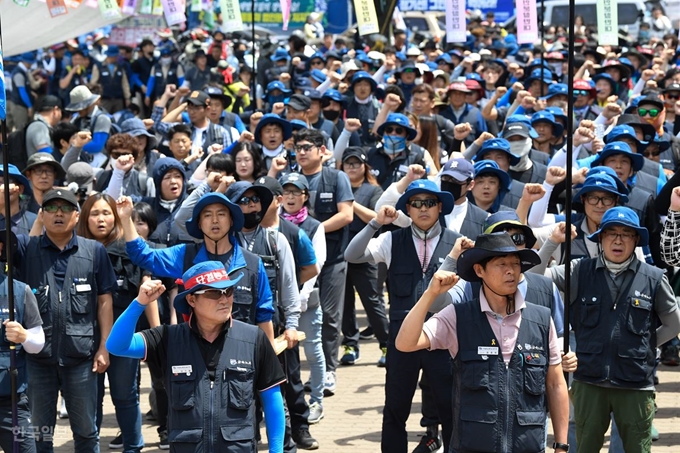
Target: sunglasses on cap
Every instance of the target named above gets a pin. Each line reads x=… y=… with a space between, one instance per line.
x=397 y=130
x=581 y=93
x=429 y=203
x=53 y=208
x=518 y=238
x=215 y=294
x=651 y=112
x=245 y=201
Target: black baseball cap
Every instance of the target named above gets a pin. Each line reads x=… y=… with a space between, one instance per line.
x=199 y=98
x=672 y=87
x=299 y=102
x=355 y=151
x=60 y=194
x=48 y=103
x=270 y=183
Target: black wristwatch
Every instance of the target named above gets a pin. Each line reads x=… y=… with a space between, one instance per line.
x=557 y=445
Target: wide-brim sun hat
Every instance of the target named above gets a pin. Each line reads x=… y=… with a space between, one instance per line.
x=81 y=98
x=205 y=275
x=599 y=183
x=192 y=224
x=135 y=127
x=397 y=119
x=273 y=118
x=614 y=148
x=491 y=246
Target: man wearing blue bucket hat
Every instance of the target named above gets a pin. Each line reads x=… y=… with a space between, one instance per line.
x=21 y=220
x=214 y=222
x=621 y=310
x=412 y=256
x=211 y=348
x=364 y=106
x=492 y=186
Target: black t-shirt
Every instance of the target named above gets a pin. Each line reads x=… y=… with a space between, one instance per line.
x=268 y=371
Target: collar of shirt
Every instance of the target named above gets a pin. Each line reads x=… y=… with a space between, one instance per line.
x=599 y=264
x=484 y=304
x=193 y=324
x=46 y=242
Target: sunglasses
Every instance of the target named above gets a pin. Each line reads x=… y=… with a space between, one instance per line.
x=305 y=148
x=245 y=201
x=396 y=130
x=581 y=93
x=651 y=112
x=65 y=208
x=408 y=70
x=215 y=294
x=673 y=97
x=655 y=153
x=519 y=238
x=429 y=203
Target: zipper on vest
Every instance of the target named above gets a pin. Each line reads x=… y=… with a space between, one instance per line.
x=507 y=407
x=212 y=418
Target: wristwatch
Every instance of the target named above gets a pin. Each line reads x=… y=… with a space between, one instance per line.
x=557 y=445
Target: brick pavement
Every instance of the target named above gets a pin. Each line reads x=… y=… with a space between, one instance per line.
x=353 y=416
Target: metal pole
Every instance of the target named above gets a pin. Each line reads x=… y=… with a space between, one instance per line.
x=10 y=275
x=570 y=152
x=542 y=43
x=253 y=81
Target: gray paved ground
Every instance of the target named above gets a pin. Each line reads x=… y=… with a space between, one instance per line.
x=353 y=416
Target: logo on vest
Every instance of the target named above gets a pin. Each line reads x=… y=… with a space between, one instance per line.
x=642 y=295
x=529 y=347
x=239 y=362
x=243 y=288
x=182 y=369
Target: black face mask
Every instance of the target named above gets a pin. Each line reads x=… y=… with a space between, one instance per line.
x=331 y=115
x=239 y=54
x=251 y=220
x=452 y=188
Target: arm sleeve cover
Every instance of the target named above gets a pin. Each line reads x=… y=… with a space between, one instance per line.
x=150 y=86
x=274 y=418
x=97 y=143
x=25 y=97
x=123 y=341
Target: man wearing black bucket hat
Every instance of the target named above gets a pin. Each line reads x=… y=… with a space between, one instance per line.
x=507 y=365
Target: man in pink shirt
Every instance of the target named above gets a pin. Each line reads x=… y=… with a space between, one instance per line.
x=507 y=364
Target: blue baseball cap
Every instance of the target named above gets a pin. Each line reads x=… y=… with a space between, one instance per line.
x=333 y=95
x=397 y=119
x=297 y=179
x=625 y=217
x=543 y=75
x=497 y=144
x=297 y=125
x=548 y=117
x=314 y=95
x=112 y=51
x=277 y=85
x=214 y=198
x=557 y=89
x=280 y=54
x=459 y=169
x=599 y=182
x=489 y=166
x=557 y=112
x=205 y=275
x=614 y=148
x=426 y=186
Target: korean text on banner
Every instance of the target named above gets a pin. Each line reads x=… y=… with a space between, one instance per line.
x=285 y=12
x=231 y=15
x=527 y=24
x=367 y=18
x=607 y=23
x=129 y=6
x=56 y=7
x=455 y=21
x=109 y=9
x=174 y=12
x=3 y=99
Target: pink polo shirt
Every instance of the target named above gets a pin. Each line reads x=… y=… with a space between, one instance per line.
x=441 y=329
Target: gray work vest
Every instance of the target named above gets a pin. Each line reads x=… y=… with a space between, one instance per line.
x=20 y=363
x=473 y=225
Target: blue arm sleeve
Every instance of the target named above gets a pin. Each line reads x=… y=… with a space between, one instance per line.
x=123 y=341
x=238 y=124
x=160 y=262
x=264 y=310
x=25 y=97
x=274 y=418
x=663 y=179
x=97 y=144
x=505 y=100
x=47 y=149
x=520 y=111
x=134 y=80
x=558 y=314
x=150 y=86
x=229 y=148
x=306 y=255
x=181 y=81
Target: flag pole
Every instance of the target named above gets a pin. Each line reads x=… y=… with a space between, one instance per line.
x=8 y=254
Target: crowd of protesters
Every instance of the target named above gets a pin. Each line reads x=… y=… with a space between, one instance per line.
x=426 y=178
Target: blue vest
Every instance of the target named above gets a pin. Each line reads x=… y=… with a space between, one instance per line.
x=207 y=415
x=407 y=279
x=326 y=207
x=111 y=82
x=5 y=377
x=498 y=409
x=14 y=95
x=615 y=339
x=161 y=82
x=367 y=120
x=69 y=316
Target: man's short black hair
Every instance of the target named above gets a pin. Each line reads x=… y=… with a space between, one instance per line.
x=63 y=131
x=179 y=129
x=311 y=135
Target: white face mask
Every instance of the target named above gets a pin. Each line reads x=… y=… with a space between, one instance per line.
x=557 y=67
x=165 y=61
x=521 y=147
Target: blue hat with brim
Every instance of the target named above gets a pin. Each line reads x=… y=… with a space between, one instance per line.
x=297 y=125
x=15 y=174
x=601 y=183
x=625 y=131
x=426 y=186
x=625 y=217
x=280 y=54
x=502 y=220
x=397 y=119
x=237 y=189
x=614 y=148
x=557 y=112
x=557 y=89
x=548 y=117
x=333 y=95
x=318 y=75
x=543 y=75
x=273 y=118
x=277 y=85
x=205 y=275
x=28 y=57
x=112 y=51
x=608 y=78
x=602 y=170
x=491 y=167
x=497 y=144
x=214 y=198
x=363 y=75
x=166 y=50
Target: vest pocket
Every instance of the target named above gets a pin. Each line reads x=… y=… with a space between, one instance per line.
x=633 y=364
x=638 y=315
x=531 y=435
x=590 y=311
x=184 y=440
x=402 y=284
x=183 y=389
x=534 y=373
x=587 y=352
x=78 y=341
x=475 y=370
x=243 y=301
x=240 y=386
x=478 y=428
x=239 y=438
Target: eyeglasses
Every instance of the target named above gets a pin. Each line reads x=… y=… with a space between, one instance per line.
x=304 y=148
x=352 y=164
x=53 y=208
x=215 y=294
x=245 y=201
x=295 y=193
x=49 y=171
x=317 y=63
x=397 y=130
x=606 y=201
x=581 y=93
x=648 y=153
x=651 y=112
x=418 y=204
x=613 y=235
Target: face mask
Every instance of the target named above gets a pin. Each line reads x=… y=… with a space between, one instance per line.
x=557 y=67
x=274 y=99
x=452 y=188
x=394 y=144
x=165 y=61
x=252 y=219
x=239 y=54
x=331 y=115
x=521 y=148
